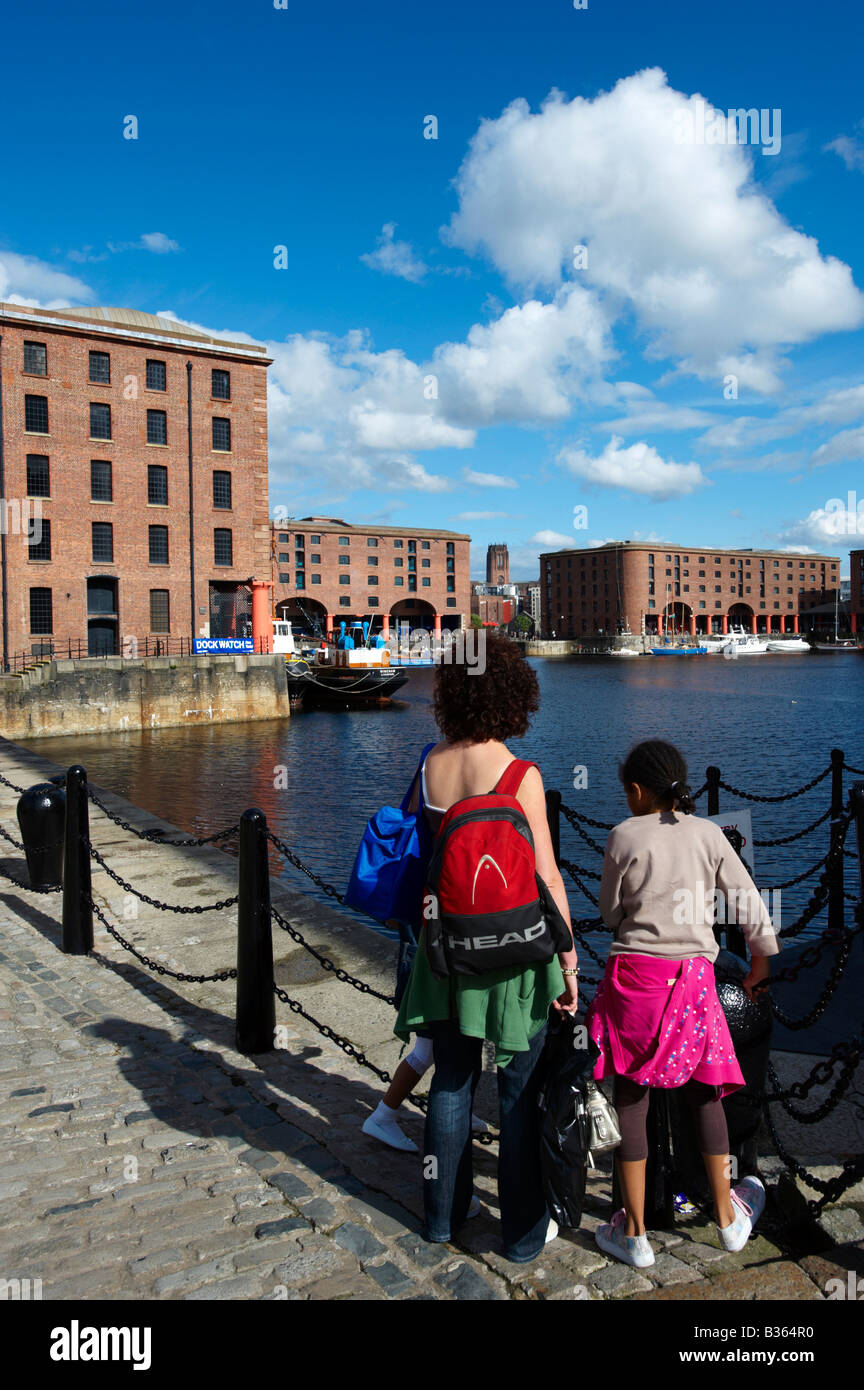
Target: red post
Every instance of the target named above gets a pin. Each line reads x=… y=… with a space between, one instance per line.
x=753 y=624
x=437 y=624
x=328 y=626
x=854 y=620
x=795 y=623
x=262 y=622
x=692 y=625
x=725 y=624
x=385 y=625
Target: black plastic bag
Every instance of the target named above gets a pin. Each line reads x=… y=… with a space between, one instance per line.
x=563 y=1117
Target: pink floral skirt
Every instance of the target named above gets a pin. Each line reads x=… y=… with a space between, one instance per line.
x=659 y=1023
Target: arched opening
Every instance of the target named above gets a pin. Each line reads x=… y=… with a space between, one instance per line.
x=307 y=616
x=413 y=613
x=742 y=615
x=677 y=619
x=102 y=615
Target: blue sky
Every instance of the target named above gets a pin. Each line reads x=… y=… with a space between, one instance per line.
x=444 y=353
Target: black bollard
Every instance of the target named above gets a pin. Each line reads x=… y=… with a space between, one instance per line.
x=256 y=1000
x=77 y=937
x=553 y=816
x=41 y=813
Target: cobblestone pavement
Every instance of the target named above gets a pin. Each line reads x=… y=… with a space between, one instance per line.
x=143 y=1157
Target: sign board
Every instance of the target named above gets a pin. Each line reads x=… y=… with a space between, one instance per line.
x=201 y=645
x=742 y=822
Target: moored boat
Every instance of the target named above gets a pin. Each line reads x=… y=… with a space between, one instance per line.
x=789 y=646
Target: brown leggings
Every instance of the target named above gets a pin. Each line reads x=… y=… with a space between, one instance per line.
x=631 y=1102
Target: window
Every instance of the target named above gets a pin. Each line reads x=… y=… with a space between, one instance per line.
x=300 y=542
x=344 y=579
x=40 y=549
x=100 y=368
x=412 y=545
x=221 y=490
x=156 y=381
x=399 y=581
x=220 y=384
x=221 y=435
x=284 y=536
x=101 y=489
x=223 y=546
x=344 y=559
x=314 y=540
x=451 y=565
x=412 y=562
x=451 y=549
x=41 y=612
x=315 y=558
x=157 y=427
x=36 y=364
x=426 y=583
x=36 y=414
x=398 y=561
x=103 y=541
x=371 y=541
x=316 y=579
x=412 y=582
x=157 y=485
x=284 y=557
x=160 y=611
x=158 y=541
x=299 y=581
x=398 y=545
x=371 y=559
x=424 y=545
x=372 y=579
x=38 y=475
x=372 y=601
x=425 y=564
x=344 y=540
x=284 y=579
x=345 y=602
x=451 y=603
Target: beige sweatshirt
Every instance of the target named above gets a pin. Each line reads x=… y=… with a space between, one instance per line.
x=663 y=874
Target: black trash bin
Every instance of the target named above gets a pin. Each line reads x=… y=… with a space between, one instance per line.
x=41 y=816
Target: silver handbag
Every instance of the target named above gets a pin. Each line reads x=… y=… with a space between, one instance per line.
x=603 y=1130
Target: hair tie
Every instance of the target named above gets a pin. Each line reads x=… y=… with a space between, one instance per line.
x=673 y=786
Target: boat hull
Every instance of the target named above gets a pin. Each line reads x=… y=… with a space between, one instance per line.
x=318 y=686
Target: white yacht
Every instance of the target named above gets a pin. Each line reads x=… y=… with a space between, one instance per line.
x=789 y=646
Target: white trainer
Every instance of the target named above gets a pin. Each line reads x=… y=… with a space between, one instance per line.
x=748 y=1202
x=382 y=1127
x=632 y=1250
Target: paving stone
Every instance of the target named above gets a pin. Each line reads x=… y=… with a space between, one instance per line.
x=242 y=1286
x=320 y=1212
x=619 y=1279
x=359 y=1241
x=290 y=1185
x=280 y=1228
x=391 y=1279
x=666 y=1269
x=423 y=1252
x=387 y=1219
x=463 y=1282
x=196 y=1274
x=160 y=1259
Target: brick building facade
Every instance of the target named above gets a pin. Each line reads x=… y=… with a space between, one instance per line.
x=497 y=565
x=98 y=418
x=661 y=588
x=326 y=571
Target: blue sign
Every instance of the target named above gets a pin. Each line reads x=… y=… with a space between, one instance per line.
x=222 y=644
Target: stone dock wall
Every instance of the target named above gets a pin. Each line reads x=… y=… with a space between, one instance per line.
x=115 y=695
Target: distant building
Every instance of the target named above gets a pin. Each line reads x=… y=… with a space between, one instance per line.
x=497 y=565
x=662 y=588
x=105 y=415
x=326 y=571
x=856 y=591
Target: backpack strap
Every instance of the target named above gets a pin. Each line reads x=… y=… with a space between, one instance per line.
x=510 y=780
x=417 y=778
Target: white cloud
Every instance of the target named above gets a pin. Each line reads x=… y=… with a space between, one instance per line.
x=393 y=257
x=156 y=242
x=28 y=281
x=552 y=540
x=848 y=444
x=387 y=429
x=826 y=527
x=654 y=415
x=634 y=468
x=475 y=479
x=850 y=148
x=479 y=516
x=677 y=233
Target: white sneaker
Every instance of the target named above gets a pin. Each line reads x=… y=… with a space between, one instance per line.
x=381 y=1127
x=748 y=1200
x=552 y=1231
x=633 y=1250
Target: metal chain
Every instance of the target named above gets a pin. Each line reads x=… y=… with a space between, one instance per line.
x=17 y=843
x=574 y=874
x=154 y=902
x=570 y=816
x=7 y=783
x=28 y=888
x=156 y=836
x=586 y=820
x=798 y=835
x=784 y=796
x=845 y=946
x=330 y=965
x=578 y=936
x=154 y=964
x=853 y=1169
x=821 y=892
x=304 y=868
x=855 y=770
x=833 y=1098
x=799 y=878
x=360 y=1057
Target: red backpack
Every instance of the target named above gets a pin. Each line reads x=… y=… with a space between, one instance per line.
x=485 y=905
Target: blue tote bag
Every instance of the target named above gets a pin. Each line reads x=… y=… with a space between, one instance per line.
x=388 y=873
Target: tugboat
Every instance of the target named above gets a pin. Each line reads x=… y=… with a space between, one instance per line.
x=347 y=672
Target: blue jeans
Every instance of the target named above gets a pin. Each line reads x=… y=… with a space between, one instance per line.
x=446 y=1196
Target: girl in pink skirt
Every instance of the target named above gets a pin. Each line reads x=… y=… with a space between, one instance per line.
x=656 y=1017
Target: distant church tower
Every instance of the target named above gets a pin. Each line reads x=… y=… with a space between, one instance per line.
x=497 y=565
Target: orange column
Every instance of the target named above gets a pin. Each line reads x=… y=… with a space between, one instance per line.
x=262 y=622
x=385 y=626
x=854 y=619
x=692 y=625
x=725 y=624
x=437 y=624
x=795 y=623
x=753 y=625
x=328 y=626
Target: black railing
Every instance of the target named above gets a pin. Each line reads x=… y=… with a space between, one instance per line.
x=257 y=991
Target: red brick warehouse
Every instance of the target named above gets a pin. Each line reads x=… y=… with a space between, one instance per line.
x=327 y=571
x=106 y=415
x=696 y=590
